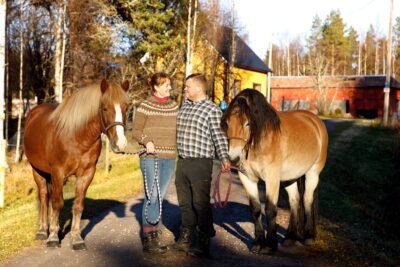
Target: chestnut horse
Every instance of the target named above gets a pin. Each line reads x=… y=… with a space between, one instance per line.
x=277 y=147
x=64 y=140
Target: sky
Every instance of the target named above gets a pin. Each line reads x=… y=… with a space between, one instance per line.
x=285 y=20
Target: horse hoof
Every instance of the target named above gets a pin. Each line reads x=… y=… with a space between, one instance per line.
x=53 y=244
x=289 y=242
x=256 y=249
x=79 y=246
x=41 y=236
x=309 y=241
x=269 y=250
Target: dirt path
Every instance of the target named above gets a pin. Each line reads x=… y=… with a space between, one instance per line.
x=113 y=239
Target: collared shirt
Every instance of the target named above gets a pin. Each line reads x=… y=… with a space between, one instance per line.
x=199 y=133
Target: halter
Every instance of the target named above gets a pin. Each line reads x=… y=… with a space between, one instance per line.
x=105 y=129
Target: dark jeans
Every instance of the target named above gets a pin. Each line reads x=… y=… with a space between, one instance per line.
x=193 y=184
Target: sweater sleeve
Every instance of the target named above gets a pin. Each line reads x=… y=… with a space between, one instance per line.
x=139 y=122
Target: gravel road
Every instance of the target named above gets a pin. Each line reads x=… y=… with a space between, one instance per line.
x=113 y=238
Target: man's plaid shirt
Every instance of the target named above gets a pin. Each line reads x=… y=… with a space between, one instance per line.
x=199 y=134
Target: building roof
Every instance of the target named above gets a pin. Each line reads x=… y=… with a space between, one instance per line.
x=352 y=81
x=245 y=57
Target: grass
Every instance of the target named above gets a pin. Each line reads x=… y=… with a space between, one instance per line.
x=18 y=219
x=353 y=190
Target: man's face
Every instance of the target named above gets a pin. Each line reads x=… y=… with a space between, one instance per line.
x=192 y=90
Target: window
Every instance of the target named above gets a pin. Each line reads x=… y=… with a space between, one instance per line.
x=257 y=86
x=237 y=87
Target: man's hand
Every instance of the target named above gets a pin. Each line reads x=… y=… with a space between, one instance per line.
x=150 y=148
x=225 y=166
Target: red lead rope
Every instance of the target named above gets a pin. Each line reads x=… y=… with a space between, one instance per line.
x=217 y=194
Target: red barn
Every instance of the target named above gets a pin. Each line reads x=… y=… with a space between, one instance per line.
x=361 y=96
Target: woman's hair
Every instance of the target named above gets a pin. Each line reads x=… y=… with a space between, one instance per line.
x=157 y=79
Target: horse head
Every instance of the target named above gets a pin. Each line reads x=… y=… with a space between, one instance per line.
x=112 y=112
x=245 y=122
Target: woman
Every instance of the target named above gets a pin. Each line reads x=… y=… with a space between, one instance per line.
x=154 y=128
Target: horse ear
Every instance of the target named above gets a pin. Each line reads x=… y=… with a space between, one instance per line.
x=125 y=85
x=104 y=85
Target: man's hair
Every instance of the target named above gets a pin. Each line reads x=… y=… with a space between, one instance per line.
x=200 y=79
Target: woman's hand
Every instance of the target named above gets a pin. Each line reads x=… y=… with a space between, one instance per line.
x=150 y=148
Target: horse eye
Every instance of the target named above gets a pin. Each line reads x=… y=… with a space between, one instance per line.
x=247 y=124
x=104 y=109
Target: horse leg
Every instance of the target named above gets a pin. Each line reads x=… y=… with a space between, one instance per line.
x=57 y=203
x=272 y=193
x=43 y=196
x=294 y=201
x=255 y=207
x=311 y=206
x=82 y=183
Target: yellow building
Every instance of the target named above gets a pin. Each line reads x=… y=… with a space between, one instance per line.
x=212 y=57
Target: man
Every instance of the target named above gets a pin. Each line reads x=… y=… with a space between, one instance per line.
x=199 y=138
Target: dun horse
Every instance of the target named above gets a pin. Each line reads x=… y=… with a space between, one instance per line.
x=276 y=147
x=64 y=140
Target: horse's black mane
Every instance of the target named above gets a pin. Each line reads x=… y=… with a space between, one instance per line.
x=251 y=104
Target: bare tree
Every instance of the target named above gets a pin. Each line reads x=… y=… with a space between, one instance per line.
x=3 y=13
x=21 y=85
x=58 y=55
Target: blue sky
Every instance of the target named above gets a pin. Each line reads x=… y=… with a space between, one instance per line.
x=289 y=19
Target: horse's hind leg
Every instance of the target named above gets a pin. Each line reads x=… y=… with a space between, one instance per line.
x=311 y=206
x=43 y=196
x=272 y=183
x=255 y=207
x=294 y=201
x=82 y=183
x=57 y=203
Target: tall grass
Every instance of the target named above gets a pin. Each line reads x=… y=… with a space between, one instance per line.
x=19 y=217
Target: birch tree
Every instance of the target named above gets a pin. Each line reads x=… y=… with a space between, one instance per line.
x=21 y=84
x=60 y=48
x=3 y=11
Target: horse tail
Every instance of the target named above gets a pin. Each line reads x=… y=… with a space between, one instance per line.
x=301 y=185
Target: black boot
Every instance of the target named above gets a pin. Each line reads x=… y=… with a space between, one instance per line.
x=184 y=242
x=151 y=243
x=202 y=246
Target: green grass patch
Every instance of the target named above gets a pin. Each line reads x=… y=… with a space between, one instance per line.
x=353 y=190
x=19 y=217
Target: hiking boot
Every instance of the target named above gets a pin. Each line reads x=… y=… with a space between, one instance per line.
x=202 y=246
x=151 y=243
x=184 y=242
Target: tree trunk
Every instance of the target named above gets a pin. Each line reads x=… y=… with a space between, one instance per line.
x=21 y=87
x=359 y=60
x=376 y=60
x=188 y=40
x=58 y=53
x=3 y=12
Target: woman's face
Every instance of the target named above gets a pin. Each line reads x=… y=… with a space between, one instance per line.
x=164 y=89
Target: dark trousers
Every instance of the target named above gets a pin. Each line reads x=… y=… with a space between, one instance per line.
x=193 y=185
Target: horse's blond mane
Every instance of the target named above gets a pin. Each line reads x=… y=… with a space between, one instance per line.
x=82 y=106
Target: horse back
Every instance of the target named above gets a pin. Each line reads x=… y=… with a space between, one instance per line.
x=306 y=139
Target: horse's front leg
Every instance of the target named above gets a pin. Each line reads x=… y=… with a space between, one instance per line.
x=57 y=203
x=43 y=195
x=272 y=183
x=83 y=181
x=251 y=188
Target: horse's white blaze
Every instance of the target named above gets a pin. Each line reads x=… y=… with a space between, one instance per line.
x=121 y=139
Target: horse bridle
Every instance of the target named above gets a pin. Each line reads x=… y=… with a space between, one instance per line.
x=105 y=129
